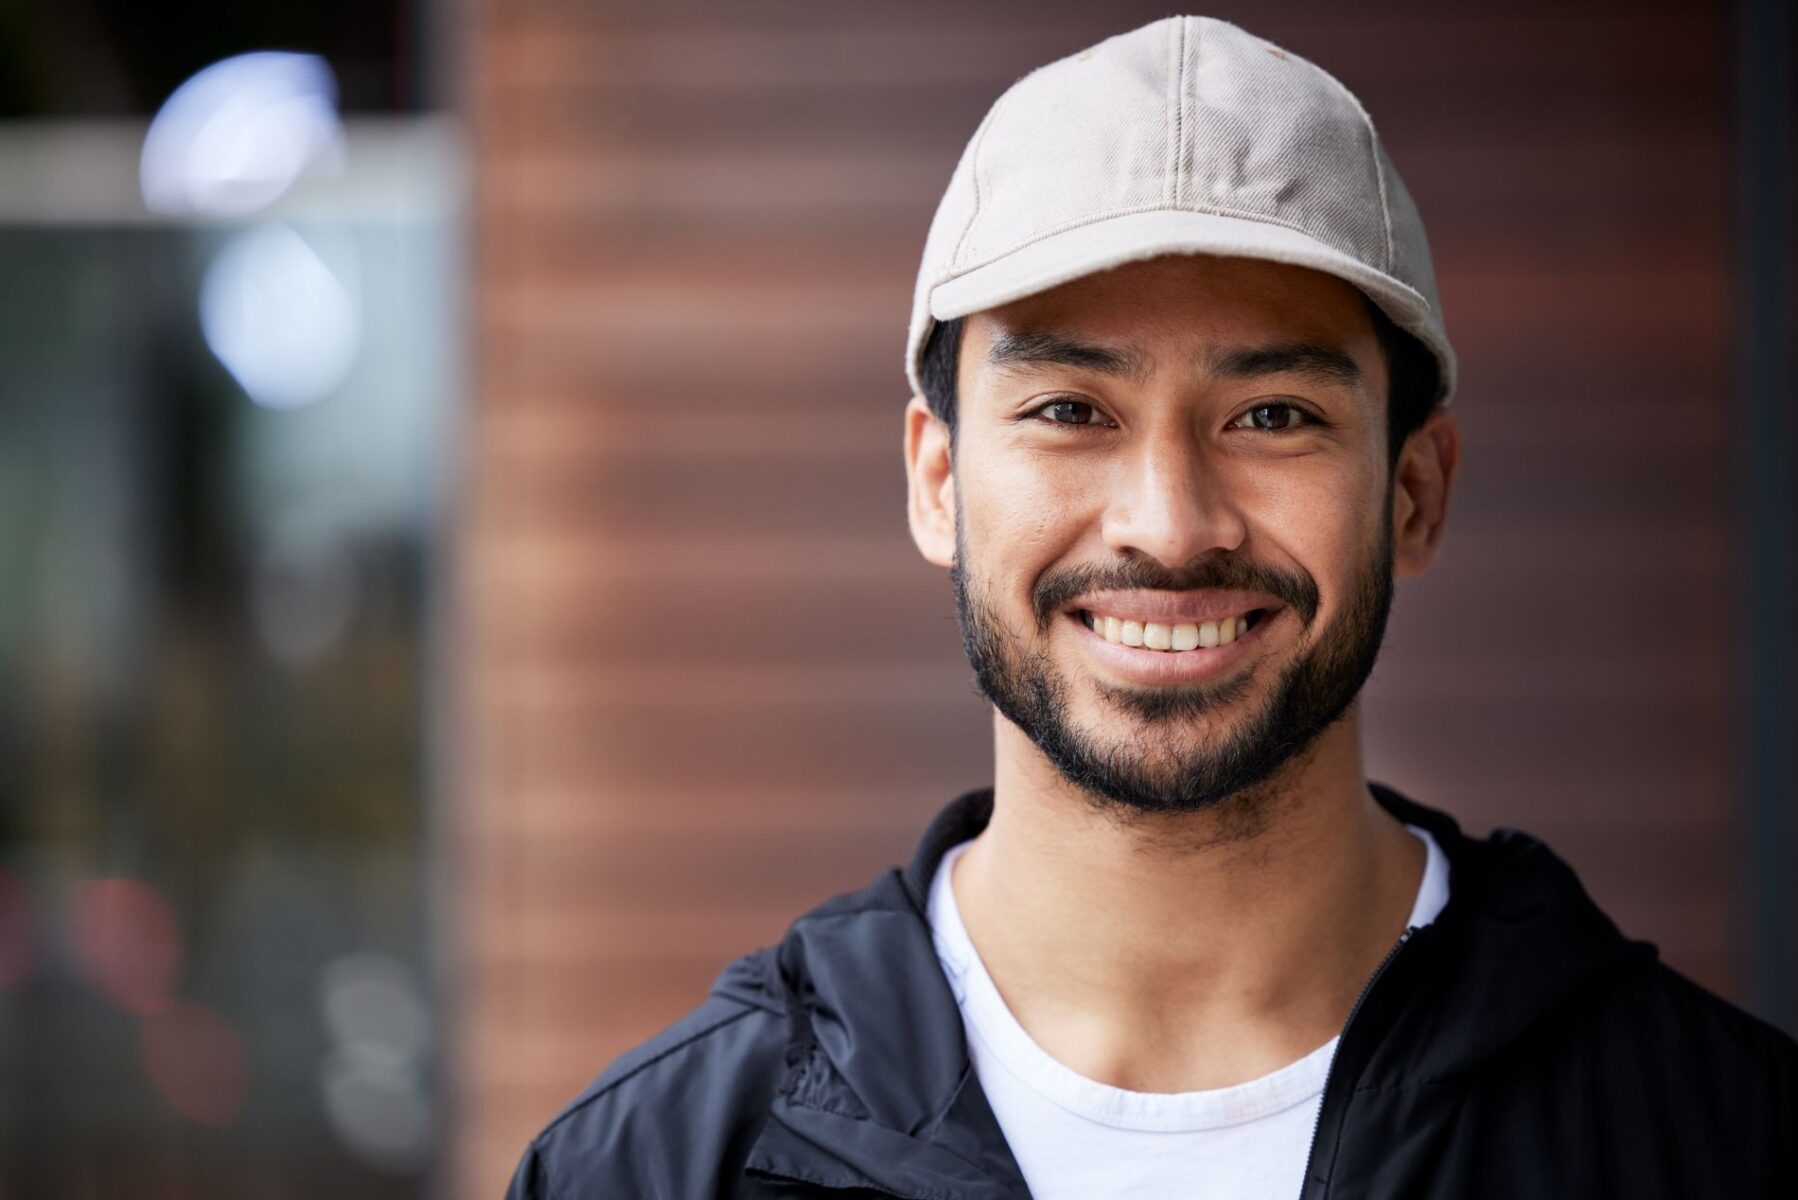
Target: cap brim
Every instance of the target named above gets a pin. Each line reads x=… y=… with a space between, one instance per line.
x=1111 y=242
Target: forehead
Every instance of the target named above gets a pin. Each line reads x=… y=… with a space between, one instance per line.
x=1179 y=307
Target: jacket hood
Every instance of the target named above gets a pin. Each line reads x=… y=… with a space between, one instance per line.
x=878 y=1090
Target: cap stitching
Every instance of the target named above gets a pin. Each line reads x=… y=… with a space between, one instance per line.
x=1379 y=176
x=1213 y=210
x=1373 y=153
x=1189 y=156
x=1176 y=111
x=974 y=176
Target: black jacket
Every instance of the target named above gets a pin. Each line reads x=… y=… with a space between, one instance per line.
x=1518 y=1046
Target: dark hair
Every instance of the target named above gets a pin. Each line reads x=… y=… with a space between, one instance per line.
x=1414 y=390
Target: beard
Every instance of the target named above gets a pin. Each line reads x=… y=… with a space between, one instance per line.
x=1158 y=767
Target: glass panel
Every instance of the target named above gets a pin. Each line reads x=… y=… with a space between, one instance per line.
x=220 y=454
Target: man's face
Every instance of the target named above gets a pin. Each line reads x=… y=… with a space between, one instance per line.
x=1178 y=442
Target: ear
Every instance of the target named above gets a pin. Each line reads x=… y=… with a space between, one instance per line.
x=930 y=483
x=1422 y=479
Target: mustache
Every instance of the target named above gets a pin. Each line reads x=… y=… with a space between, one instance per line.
x=1057 y=589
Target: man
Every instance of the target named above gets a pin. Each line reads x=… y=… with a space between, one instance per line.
x=1180 y=422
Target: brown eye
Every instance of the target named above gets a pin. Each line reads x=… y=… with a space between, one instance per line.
x=1284 y=416
x=1069 y=412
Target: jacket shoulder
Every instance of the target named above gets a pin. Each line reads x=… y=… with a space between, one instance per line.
x=1696 y=1067
x=1702 y=1029
x=675 y=1115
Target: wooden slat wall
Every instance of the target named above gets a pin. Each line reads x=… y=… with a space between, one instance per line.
x=708 y=680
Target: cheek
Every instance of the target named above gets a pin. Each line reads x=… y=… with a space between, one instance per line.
x=1313 y=527
x=1323 y=501
x=1325 y=523
x=1019 y=514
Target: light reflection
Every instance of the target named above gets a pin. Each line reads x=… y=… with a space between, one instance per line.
x=279 y=318
x=195 y=1059
x=237 y=135
x=370 y=1000
x=379 y=1112
x=371 y=1084
x=127 y=943
x=303 y=594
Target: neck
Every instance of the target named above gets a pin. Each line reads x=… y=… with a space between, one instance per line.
x=1171 y=952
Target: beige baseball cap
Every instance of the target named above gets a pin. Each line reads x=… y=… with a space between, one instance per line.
x=1186 y=136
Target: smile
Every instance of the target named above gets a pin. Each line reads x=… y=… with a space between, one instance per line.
x=1152 y=635
x=1161 y=653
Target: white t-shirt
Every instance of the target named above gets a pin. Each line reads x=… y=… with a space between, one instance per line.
x=1076 y=1138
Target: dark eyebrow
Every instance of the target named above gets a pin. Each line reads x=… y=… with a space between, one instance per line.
x=1029 y=349
x=1288 y=358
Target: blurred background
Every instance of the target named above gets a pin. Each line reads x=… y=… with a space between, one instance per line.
x=454 y=585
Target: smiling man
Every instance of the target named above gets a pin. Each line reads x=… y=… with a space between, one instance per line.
x=1180 y=421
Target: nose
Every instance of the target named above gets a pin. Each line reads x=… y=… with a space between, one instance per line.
x=1169 y=502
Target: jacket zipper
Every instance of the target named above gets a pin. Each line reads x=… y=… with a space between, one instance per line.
x=1317 y=1122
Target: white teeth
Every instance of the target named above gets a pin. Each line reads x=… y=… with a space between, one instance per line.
x=1154 y=636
